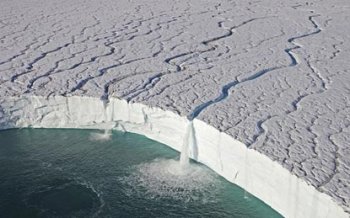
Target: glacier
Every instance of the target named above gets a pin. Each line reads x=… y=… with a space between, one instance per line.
x=261 y=86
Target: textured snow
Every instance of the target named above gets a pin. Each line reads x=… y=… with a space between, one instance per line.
x=274 y=74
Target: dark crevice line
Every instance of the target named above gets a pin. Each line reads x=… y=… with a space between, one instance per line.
x=225 y=89
x=324 y=87
x=224 y=93
x=48 y=73
x=15 y=32
x=151 y=82
x=297 y=101
x=230 y=30
x=93 y=59
x=336 y=161
x=105 y=95
x=170 y=85
x=53 y=70
x=102 y=72
x=42 y=56
x=109 y=44
x=23 y=51
x=31 y=64
x=180 y=68
x=261 y=130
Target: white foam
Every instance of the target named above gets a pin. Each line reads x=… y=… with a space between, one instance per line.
x=167 y=178
x=105 y=136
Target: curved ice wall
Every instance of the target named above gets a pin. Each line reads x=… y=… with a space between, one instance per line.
x=251 y=170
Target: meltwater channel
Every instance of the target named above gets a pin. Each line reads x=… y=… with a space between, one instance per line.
x=91 y=173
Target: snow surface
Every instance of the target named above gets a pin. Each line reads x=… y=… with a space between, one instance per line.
x=274 y=74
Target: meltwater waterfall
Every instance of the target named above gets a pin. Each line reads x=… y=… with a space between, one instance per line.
x=165 y=178
x=107 y=133
x=187 y=142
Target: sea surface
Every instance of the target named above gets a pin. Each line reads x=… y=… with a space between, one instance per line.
x=91 y=173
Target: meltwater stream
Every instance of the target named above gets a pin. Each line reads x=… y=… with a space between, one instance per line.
x=91 y=173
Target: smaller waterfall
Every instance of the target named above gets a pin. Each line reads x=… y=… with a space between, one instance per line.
x=105 y=102
x=104 y=136
x=107 y=133
x=246 y=168
x=187 y=142
x=245 y=194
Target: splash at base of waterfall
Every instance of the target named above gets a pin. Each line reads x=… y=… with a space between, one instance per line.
x=167 y=178
x=98 y=136
x=179 y=180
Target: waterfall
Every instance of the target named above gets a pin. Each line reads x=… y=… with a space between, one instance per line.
x=246 y=165
x=107 y=133
x=187 y=142
x=105 y=102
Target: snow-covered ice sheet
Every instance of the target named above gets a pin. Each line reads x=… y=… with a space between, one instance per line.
x=274 y=74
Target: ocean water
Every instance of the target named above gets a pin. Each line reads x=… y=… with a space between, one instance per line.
x=91 y=173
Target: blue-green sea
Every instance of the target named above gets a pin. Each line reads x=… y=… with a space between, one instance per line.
x=88 y=173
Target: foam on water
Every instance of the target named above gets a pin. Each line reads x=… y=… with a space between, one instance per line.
x=97 y=136
x=167 y=178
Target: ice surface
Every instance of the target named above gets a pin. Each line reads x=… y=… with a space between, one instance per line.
x=272 y=74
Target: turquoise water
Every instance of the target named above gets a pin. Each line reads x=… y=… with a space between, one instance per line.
x=85 y=173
